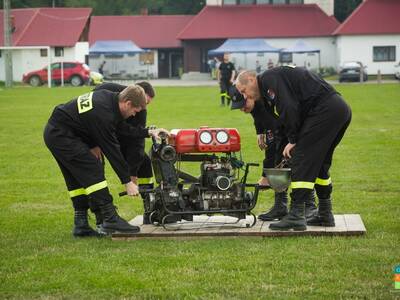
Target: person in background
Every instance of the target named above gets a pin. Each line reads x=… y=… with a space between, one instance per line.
x=226 y=75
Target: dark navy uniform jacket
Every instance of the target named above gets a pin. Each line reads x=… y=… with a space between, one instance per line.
x=291 y=92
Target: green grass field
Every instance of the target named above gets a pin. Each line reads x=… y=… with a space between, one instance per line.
x=40 y=259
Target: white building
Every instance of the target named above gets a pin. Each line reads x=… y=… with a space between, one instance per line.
x=371 y=35
x=64 y=30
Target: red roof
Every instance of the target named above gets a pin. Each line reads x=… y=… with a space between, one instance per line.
x=259 y=21
x=373 y=17
x=47 y=26
x=145 y=31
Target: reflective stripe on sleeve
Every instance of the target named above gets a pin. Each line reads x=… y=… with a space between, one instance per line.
x=302 y=185
x=321 y=181
x=77 y=192
x=146 y=180
x=276 y=112
x=96 y=187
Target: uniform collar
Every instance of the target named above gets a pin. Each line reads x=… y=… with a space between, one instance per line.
x=116 y=109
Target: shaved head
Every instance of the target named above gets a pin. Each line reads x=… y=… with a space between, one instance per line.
x=247 y=85
x=244 y=76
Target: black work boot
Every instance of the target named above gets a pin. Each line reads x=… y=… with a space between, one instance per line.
x=324 y=216
x=294 y=220
x=278 y=211
x=81 y=225
x=112 y=222
x=311 y=209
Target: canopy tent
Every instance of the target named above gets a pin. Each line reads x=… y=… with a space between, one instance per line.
x=115 y=47
x=243 y=46
x=301 y=47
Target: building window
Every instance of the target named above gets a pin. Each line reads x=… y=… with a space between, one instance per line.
x=146 y=58
x=263 y=1
x=385 y=53
x=230 y=2
x=285 y=58
x=247 y=1
x=59 y=51
x=0 y=53
x=43 y=52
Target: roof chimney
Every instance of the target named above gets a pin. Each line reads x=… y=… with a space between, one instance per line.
x=144 y=11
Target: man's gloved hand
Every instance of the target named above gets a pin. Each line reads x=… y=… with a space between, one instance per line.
x=261 y=141
x=156 y=132
x=96 y=151
x=131 y=189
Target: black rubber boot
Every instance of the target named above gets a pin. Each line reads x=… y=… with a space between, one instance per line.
x=311 y=208
x=324 y=216
x=112 y=222
x=278 y=211
x=81 y=225
x=294 y=220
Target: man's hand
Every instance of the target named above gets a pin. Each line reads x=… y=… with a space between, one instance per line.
x=261 y=141
x=287 y=150
x=263 y=181
x=131 y=189
x=96 y=151
x=134 y=179
x=156 y=132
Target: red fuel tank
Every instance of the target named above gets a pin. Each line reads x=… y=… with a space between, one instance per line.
x=205 y=139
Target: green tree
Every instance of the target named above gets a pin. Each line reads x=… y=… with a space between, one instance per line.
x=343 y=8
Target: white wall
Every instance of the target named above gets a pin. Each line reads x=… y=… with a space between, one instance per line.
x=360 y=48
x=126 y=66
x=325 y=44
x=326 y=5
x=27 y=60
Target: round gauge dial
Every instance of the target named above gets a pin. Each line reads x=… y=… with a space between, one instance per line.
x=222 y=137
x=205 y=137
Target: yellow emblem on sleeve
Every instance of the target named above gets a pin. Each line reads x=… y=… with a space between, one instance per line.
x=84 y=102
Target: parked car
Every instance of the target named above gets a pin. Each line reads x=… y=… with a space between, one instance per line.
x=350 y=71
x=397 y=71
x=75 y=73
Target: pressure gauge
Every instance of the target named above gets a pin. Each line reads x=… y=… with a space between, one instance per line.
x=205 y=137
x=222 y=137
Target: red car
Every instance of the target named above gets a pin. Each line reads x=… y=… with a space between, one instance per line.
x=75 y=73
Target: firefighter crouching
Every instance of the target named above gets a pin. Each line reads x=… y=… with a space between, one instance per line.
x=92 y=119
x=314 y=118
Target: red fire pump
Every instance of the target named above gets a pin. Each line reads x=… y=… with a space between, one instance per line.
x=219 y=189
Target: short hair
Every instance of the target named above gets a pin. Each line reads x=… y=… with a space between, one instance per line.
x=148 y=88
x=243 y=76
x=134 y=94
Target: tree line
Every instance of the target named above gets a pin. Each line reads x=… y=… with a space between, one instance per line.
x=343 y=8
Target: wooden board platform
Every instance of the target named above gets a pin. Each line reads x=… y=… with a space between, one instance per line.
x=221 y=226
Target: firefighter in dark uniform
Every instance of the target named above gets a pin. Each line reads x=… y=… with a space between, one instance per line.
x=90 y=119
x=226 y=75
x=314 y=118
x=272 y=142
x=133 y=143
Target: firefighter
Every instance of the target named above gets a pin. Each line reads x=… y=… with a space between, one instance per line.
x=225 y=76
x=314 y=118
x=90 y=119
x=133 y=145
x=270 y=140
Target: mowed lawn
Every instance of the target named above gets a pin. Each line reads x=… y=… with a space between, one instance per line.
x=40 y=259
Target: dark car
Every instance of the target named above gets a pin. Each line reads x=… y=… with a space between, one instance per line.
x=350 y=71
x=75 y=73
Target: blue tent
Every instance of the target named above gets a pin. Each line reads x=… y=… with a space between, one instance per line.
x=243 y=46
x=301 y=47
x=115 y=47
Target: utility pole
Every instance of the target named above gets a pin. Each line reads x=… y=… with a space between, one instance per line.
x=7 y=43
